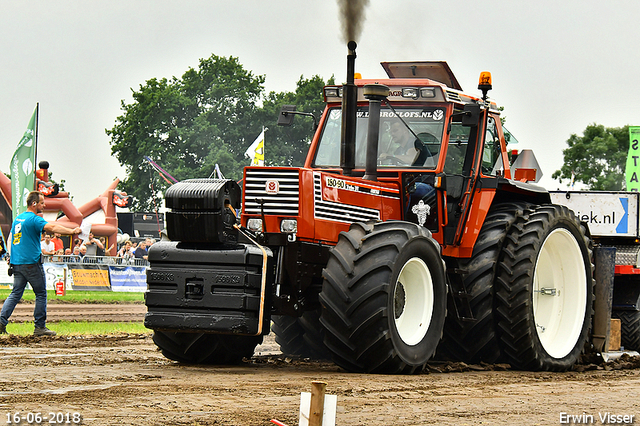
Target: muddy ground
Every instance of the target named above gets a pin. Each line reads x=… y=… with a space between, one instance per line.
x=124 y=380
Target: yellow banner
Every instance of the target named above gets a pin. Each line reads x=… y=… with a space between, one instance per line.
x=90 y=278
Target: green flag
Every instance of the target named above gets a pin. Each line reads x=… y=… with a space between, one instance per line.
x=23 y=168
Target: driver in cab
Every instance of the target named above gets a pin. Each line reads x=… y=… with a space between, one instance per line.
x=401 y=147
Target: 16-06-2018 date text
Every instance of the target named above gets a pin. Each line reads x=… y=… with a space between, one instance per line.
x=39 y=418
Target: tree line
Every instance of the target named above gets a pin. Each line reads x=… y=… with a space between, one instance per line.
x=208 y=116
x=598 y=158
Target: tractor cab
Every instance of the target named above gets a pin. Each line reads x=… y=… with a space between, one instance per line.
x=431 y=141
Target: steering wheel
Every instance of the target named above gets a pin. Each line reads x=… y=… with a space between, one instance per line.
x=390 y=160
x=421 y=145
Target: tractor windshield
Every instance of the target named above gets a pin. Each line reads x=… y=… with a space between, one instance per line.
x=410 y=138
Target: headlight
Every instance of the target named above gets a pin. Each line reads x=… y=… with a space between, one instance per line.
x=428 y=92
x=410 y=92
x=333 y=92
x=289 y=226
x=254 y=224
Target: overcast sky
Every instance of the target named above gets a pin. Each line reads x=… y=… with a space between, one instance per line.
x=557 y=66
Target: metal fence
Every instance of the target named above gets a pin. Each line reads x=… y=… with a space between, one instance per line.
x=102 y=260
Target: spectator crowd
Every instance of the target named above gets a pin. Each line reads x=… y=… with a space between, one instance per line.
x=93 y=250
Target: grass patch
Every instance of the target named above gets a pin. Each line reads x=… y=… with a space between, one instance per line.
x=69 y=328
x=73 y=296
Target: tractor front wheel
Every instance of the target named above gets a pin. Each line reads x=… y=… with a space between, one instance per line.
x=384 y=298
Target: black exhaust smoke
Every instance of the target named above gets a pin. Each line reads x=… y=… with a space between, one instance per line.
x=352 y=17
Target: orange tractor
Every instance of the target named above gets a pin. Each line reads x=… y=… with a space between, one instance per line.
x=407 y=233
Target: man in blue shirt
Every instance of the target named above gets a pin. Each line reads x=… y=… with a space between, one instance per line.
x=27 y=267
x=141 y=251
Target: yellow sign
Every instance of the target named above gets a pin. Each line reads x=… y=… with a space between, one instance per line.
x=90 y=278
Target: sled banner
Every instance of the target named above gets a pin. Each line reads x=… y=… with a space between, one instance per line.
x=54 y=273
x=87 y=277
x=128 y=278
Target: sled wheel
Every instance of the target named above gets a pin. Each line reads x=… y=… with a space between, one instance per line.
x=204 y=348
x=476 y=340
x=383 y=298
x=630 y=328
x=545 y=295
x=302 y=336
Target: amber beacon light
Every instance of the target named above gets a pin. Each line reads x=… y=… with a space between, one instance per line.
x=484 y=83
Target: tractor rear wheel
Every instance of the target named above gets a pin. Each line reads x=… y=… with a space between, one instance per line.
x=474 y=341
x=302 y=336
x=630 y=328
x=384 y=298
x=545 y=290
x=205 y=348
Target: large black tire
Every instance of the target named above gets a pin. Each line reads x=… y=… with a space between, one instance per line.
x=630 y=328
x=303 y=337
x=204 y=348
x=545 y=290
x=477 y=341
x=384 y=298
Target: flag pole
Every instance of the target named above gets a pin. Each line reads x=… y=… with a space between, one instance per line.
x=35 y=155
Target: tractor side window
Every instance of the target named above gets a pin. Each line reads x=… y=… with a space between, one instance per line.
x=457 y=148
x=328 y=153
x=491 y=150
x=410 y=136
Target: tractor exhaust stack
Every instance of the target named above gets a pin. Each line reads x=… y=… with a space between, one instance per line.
x=349 y=107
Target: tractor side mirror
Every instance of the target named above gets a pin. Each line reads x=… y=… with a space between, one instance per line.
x=471 y=115
x=285 y=118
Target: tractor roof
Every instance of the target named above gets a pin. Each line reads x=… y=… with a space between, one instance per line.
x=432 y=70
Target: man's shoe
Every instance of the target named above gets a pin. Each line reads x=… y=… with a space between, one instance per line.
x=43 y=331
x=3 y=329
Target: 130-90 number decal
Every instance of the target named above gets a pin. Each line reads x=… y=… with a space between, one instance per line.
x=336 y=183
x=340 y=184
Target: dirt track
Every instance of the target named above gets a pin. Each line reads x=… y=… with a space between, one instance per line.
x=83 y=312
x=125 y=380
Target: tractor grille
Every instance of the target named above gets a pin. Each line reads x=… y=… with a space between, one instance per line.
x=278 y=190
x=453 y=96
x=339 y=212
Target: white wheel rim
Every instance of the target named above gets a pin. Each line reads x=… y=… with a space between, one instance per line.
x=559 y=293
x=413 y=301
